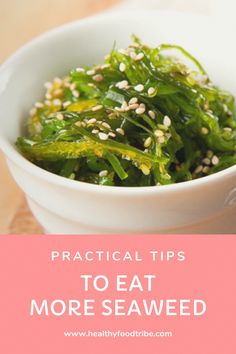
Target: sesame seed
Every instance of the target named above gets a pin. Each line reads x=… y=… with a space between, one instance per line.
x=103 y=173
x=206 y=161
x=132 y=106
x=151 y=91
x=75 y=93
x=106 y=125
x=90 y=84
x=198 y=169
x=56 y=102
x=135 y=45
x=48 y=96
x=57 y=80
x=140 y=110
x=158 y=133
x=132 y=55
x=139 y=88
x=57 y=92
x=60 y=116
x=66 y=104
x=205 y=169
x=152 y=114
x=48 y=85
x=161 y=140
x=103 y=136
x=122 y=84
x=215 y=160
x=91 y=72
x=92 y=121
x=112 y=115
x=95 y=131
x=78 y=124
x=98 y=77
x=147 y=142
x=139 y=56
x=38 y=105
x=97 y=108
x=204 y=131
x=83 y=124
x=124 y=105
x=113 y=135
x=228 y=129
x=133 y=100
x=167 y=121
x=80 y=70
x=145 y=169
x=120 y=131
x=67 y=84
x=47 y=102
x=122 y=67
x=122 y=51
x=105 y=66
x=32 y=112
x=72 y=86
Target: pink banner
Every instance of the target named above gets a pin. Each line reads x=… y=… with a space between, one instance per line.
x=118 y=294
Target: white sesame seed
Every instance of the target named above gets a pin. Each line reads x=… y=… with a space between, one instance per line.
x=92 y=121
x=80 y=70
x=122 y=67
x=122 y=84
x=66 y=104
x=105 y=66
x=158 y=133
x=60 y=116
x=67 y=84
x=122 y=51
x=57 y=92
x=198 y=169
x=78 y=124
x=124 y=105
x=103 y=173
x=135 y=45
x=97 y=108
x=204 y=131
x=113 y=135
x=228 y=129
x=103 y=136
x=98 y=77
x=152 y=114
x=91 y=72
x=120 y=131
x=167 y=121
x=83 y=124
x=48 y=96
x=48 y=85
x=139 y=56
x=57 y=80
x=33 y=111
x=139 y=88
x=151 y=91
x=147 y=142
x=205 y=169
x=56 y=102
x=90 y=84
x=38 y=105
x=161 y=140
x=106 y=125
x=75 y=93
x=95 y=131
x=47 y=102
x=112 y=115
x=206 y=161
x=72 y=86
x=140 y=110
x=215 y=160
x=133 y=100
x=132 y=55
x=132 y=106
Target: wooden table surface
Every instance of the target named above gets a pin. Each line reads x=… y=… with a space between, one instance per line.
x=20 y=21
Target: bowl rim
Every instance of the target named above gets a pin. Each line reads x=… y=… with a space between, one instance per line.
x=14 y=156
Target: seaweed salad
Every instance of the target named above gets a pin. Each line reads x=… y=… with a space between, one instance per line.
x=146 y=116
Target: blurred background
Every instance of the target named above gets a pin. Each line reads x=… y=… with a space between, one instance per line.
x=21 y=20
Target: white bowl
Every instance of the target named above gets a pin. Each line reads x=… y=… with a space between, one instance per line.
x=65 y=206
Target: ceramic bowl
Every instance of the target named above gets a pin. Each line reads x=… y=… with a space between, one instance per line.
x=64 y=206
